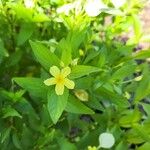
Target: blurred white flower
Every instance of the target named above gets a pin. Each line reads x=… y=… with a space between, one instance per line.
x=29 y=3
x=65 y=8
x=106 y=140
x=118 y=3
x=77 y=6
x=94 y=7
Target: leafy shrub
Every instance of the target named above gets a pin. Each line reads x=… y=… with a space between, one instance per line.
x=104 y=84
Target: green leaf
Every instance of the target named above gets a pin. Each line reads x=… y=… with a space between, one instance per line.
x=84 y=82
x=16 y=141
x=134 y=137
x=22 y=12
x=5 y=134
x=6 y=95
x=142 y=54
x=27 y=139
x=115 y=98
x=143 y=88
x=91 y=56
x=146 y=108
x=76 y=37
x=56 y=104
x=46 y=139
x=81 y=70
x=143 y=131
x=35 y=86
x=77 y=107
x=25 y=108
x=40 y=18
x=95 y=104
x=102 y=57
x=14 y=58
x=10 y=112
x=44 y=116
x=124 y=71
x=65 y=47
x=45 y=57
x=137 y=55
x=25 y=33
x=89 y=137
x=129 y=118
x=144 y=146
x=137 y=27
x=3 y=51
x=18 y=95
x=65 y=144
x=121 y=146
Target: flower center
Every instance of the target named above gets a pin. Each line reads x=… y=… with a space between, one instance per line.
x=60 y=79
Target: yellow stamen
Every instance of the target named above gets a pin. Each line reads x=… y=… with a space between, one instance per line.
x=60 y=79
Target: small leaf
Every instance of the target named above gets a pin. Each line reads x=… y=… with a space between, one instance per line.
x=146 y=108
x=33 y=85
x=115 y=98
x=76 y=37
x=14 y=58
x=121 y=146
x=84 y=82
x=45 y=57
x=40 y=18
x=65 y=144
x=46 y=139
x=56 y=104
x=10 y=112
x=65 y=48
x=124 y=71
x=22 y=12
x=130 y=118
x=77 y=107
x=137 y=27
x=3 y=51
x=144 y=146
x=143 y=88
x=81 y=70
x=16 y=141
x=141 y=54
x=91 y=56
x=5 y=134
x=25 y=33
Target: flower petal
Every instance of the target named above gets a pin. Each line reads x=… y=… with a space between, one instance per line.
x=69 y=84
x=93 y=7
x=54 y=70
x=66 y=71
x=106 y=140
x=50 y=81
x=59 y=89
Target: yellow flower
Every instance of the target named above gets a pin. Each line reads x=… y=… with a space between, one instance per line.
x=92 y=148
x=60 y=79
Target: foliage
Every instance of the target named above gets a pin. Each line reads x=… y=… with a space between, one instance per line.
x=112 y=82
